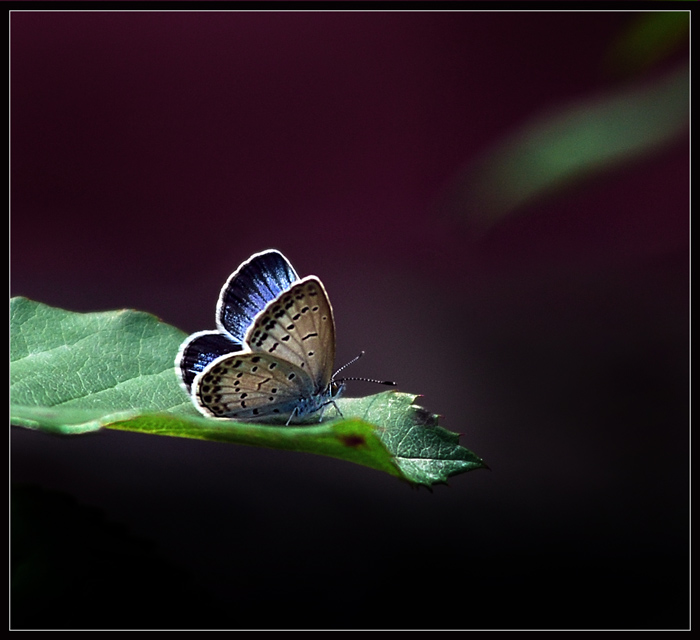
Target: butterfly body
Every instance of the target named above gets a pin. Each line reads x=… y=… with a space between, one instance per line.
x=272 y=356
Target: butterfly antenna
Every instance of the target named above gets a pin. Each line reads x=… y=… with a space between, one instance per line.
x=355 y=359
x=387 y=382
x=347 y=364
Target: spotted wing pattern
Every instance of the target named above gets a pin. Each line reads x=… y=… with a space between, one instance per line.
x=286 y=369
x=200 y=349
x=298 y=327
x=252 y=386
x=272 y=355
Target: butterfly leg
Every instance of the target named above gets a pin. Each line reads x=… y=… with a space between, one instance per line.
x=291 y=416
x=323 y=409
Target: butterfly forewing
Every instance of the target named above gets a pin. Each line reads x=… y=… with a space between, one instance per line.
x=248 y=386
x=249 y=289
x=298 y=327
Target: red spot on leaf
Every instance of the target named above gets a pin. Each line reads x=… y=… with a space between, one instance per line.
x=352 y=441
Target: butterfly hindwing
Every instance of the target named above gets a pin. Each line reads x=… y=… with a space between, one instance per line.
x=298 y=327
x=199 y=350
x=250 y=386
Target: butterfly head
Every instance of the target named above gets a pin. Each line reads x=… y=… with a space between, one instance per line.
x=336 y=389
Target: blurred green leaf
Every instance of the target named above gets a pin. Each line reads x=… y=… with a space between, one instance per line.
x=649 y=38
x=72 y=373
x=571 y=143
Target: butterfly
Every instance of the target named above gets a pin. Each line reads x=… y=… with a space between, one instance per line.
x=271 y=357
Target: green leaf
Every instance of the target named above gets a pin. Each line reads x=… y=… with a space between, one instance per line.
x=73 y=373
x=570 y=144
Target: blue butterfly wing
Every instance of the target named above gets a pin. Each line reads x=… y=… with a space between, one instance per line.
x=249 y=289
x=199 y=350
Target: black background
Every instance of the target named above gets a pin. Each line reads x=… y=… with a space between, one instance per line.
x=151 y=153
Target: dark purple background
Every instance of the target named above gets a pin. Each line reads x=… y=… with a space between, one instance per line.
x=152 y=153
